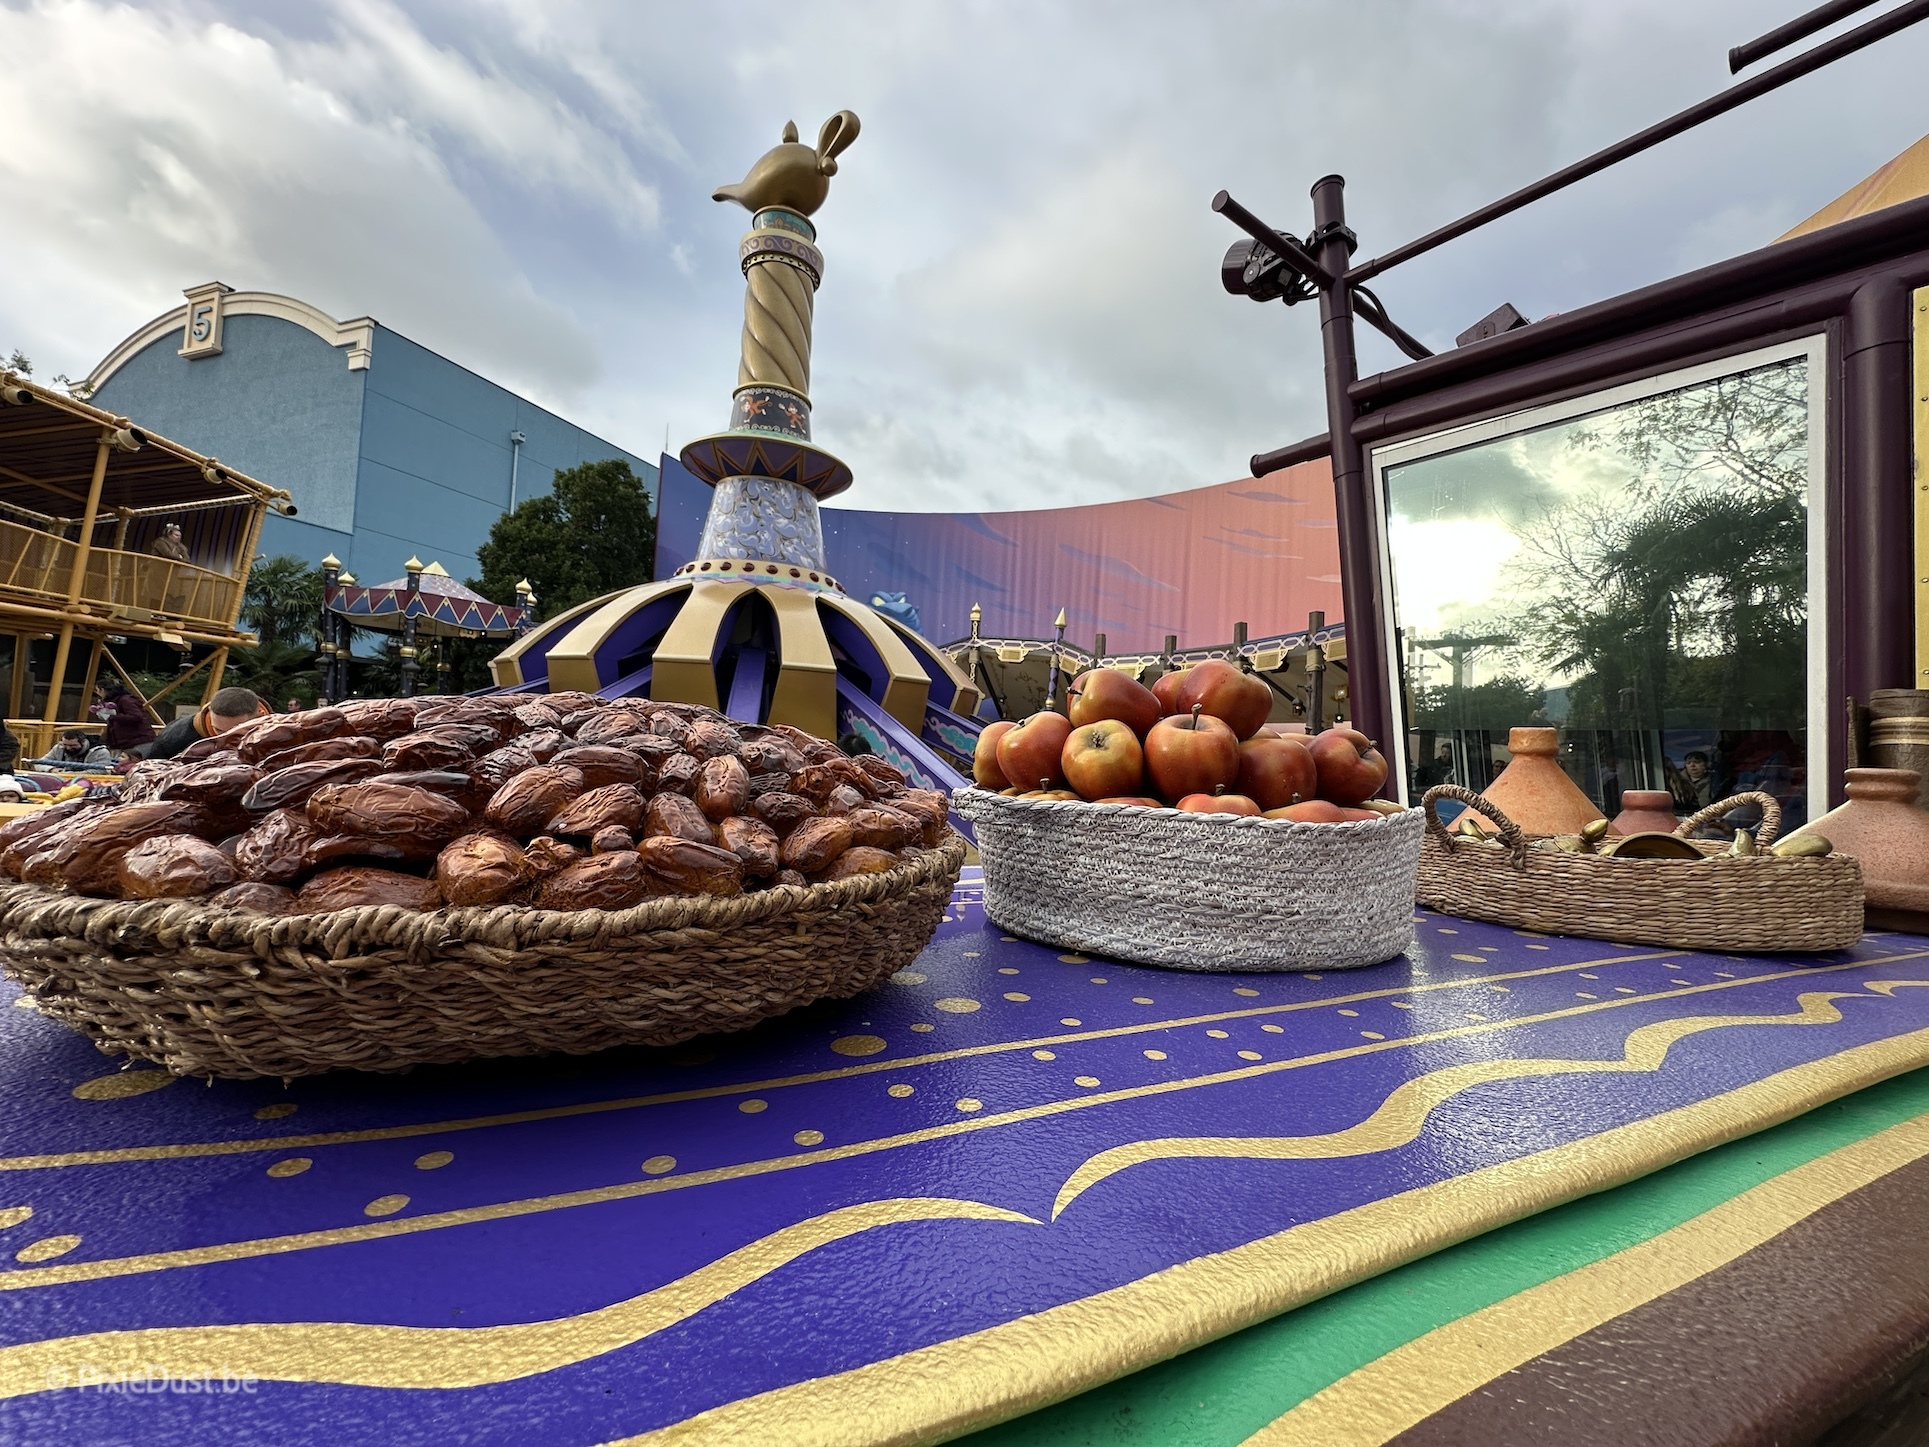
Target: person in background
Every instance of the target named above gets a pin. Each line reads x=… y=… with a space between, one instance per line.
x=126 y=762
x=169 y=545
x=9 y=749
x=76 y=751
x=1698 y=784
x=294 y=705
x=10 y=790
x=228 y=709
x=124 y=714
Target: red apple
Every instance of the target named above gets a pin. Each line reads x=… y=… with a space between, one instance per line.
x=1064 y=794
x=1276 y=771
x=1241 y=699
x=984 y=760
x=1028 y=751
x=1350 y=767
x=1192 y=754
x=1221 y=803
x=1101 y=693
x=1319 y=811
x=1103 y=759
x=1138 y=800
x=1166 y=690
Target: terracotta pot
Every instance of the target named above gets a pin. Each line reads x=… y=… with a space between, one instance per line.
x=1882 y=827
x=1534 y=792
x=1645 y=811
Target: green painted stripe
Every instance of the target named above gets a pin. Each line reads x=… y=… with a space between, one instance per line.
x=1223 y=1392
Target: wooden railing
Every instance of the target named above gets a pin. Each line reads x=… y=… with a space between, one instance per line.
x=41 y=565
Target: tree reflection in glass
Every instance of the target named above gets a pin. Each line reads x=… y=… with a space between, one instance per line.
x=1637 y=577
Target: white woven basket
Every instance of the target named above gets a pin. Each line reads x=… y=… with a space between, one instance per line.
x=1197 y=891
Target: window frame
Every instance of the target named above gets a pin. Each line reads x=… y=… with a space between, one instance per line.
x=1462 y=436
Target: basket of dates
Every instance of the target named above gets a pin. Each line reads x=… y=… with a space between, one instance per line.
x=396 y=882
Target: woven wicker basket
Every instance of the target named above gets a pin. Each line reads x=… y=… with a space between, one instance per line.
x=1761 y=903
x=1197 y=891
x=211 y=992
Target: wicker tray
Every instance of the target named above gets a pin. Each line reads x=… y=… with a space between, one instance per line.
x=211 y=992
x=1197 y=891
x=1760 y=903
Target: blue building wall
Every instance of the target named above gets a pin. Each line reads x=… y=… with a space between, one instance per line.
x=408 y=456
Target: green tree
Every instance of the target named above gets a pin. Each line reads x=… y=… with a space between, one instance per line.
x=282 y=606
x=594 y=533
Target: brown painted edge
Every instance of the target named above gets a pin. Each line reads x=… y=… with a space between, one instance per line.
x=1773 y=1347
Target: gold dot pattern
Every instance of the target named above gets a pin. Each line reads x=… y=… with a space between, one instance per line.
x=857 y=1044
x=14 y=1215
x=1373 y=1035
x=901 y=1092
x=385 y=1205
x=1076 y=959
x=1101 y=980
x=47 y=1248
x=1472 y=959
x=1141 y=999
x=1250 y=1055
x=1044 y=1055
x=120 y=1086
x=809 y=1137
x=1351 y=1014
x=1088 y=1081
x=1155 y=1055
x=1274 y=1029
x=1249 y=994
x=1218 y=1034
x=1069 y=1020
x=908 y=977
x=433 y=1160
x=292 y=1166
x=24 y=1002
x=956 y=1005
x=967 y=1105
x=279 y=1111
x=753 y=1107
x=1017 y=996
x=659 y=1165
x=1008 y=970
x=923 y=1029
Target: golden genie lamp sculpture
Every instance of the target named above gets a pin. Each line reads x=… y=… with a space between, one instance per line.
x=756 y=625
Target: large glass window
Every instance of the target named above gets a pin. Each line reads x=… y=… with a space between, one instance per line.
x=1634 y=570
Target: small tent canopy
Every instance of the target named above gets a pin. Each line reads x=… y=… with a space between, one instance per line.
x=440 y=606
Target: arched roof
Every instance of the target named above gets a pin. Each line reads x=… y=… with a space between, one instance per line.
x=358 y=335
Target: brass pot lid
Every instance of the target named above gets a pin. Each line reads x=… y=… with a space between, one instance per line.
x=1650 y=844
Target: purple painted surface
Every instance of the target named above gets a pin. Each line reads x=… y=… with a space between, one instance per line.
x=882 y=1291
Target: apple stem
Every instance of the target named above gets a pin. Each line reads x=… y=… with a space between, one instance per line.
x=1196 y=709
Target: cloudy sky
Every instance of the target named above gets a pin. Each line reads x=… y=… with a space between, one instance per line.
x=1022 y=307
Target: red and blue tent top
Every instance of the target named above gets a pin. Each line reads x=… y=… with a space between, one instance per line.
x=440 y=606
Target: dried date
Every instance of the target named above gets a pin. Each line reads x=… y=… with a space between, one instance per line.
x=546 y=855
x=603 y=764
x=783 y=812
x=481 y=868
x=688 y=867
x=530 y=800
x=35 y=833
x=674 y=816
x=400 y=815
x=89 y=856
x=752 y=841
x=290 y=730
x=260 y=898
x=275 y=851
x=173 y=866
x=883 y=828
x=291 y=787
x=449 y=747
x=708 y=739
x=381 y=718
x=348 y=746
x=859 y=859
x=611 y=840
x=545 y=744
x=813 y=844
x=362 y=885
x=678 y=773
x=722 y=788
x=607 y=881
x=618 y=804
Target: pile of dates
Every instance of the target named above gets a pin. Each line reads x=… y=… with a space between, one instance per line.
x=557 y=801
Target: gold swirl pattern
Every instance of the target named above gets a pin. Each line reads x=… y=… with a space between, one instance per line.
x=356 y=1354
x=777 y=307
x=1403 y=1114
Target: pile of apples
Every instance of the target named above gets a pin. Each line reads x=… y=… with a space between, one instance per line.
x=1196 y=740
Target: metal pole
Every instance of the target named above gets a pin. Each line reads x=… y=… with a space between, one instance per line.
x=1359 y=546
x=88 y=517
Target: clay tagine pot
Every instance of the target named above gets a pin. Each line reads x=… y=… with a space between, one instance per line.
x=1645 y=811
x=1534 y=791
x=1882 y=827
